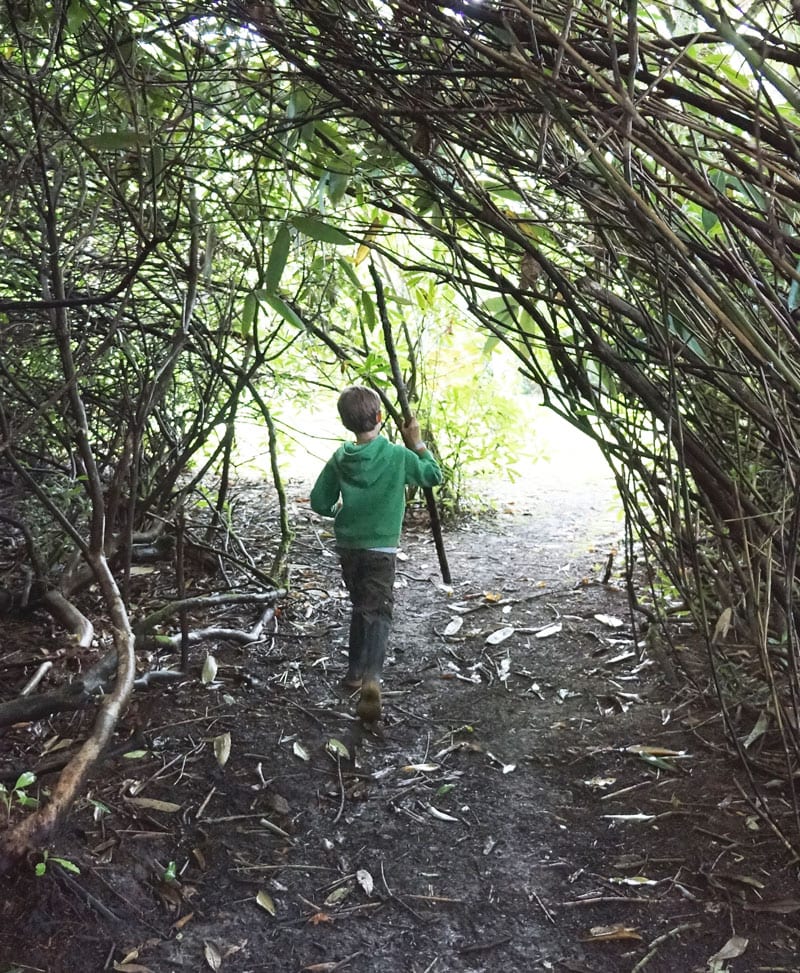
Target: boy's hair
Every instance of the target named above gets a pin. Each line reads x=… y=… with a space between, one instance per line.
x=358 y=408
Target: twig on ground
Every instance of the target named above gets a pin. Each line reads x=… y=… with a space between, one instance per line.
x=543 y=907
x=595 y=899
x=36 y=678
x=396 y=898
x=653 y=948
x=770 y=822
x=90 y=900
x=276 y=830
x=341 y=789
x=199 y=812
x=480 y=947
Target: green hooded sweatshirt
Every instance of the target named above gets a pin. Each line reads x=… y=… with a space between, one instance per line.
x=370 y=478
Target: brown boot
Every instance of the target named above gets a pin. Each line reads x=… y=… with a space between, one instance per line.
x=369 y=704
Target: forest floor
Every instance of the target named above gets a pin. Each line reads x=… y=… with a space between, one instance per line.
x=539 y=796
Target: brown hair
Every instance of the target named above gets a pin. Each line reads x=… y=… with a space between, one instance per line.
x=358 y=408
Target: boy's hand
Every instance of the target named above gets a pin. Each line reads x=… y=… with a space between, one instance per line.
x=410 y=433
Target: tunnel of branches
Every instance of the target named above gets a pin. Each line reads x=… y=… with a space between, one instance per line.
x=196 y=201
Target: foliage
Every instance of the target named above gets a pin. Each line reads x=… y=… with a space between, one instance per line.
x=47 y=858
x=18 y=793
x=191 y=197
x=478 y=420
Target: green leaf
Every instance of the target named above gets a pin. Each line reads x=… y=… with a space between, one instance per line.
x=709 y=218
x=24 y=780
x=349 y=270
x=277 y=258
x=793 y=300
x=77 y=15
x=249 y=309
x=116 y=141
x=317 y=230
x=719 y=179
x=66 y=864
x=281 y=307
x=337 y=186
x=368 y=307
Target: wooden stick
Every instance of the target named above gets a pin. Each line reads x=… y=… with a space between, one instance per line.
x=399 y=384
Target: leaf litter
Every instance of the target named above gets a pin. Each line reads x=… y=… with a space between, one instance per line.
x=481 y=796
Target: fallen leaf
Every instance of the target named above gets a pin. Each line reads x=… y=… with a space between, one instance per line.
x=779 y=906
x=131 y=968
x=212 y=956
x=493 y=595
x=632 y=880
x=321 y=968
x=337 y=749
x=655 y=751
x=599 y=934
x=209 y=670
x=610 y=620
x=441 y=815
x=622 y=657
x=723 y=625
x=300 y=751
x=453 y=626
x=149 y=802
x=419 y=768
x=183 y=921
x=222 y=748
x=504 y=669
x=761 y=727
x=549 y=630
x=58 y=744
x=364 y=879
x=278 y=804
x=500 y=635
x=264 y=899
x=734 y=947
x=507 y=768
x=315 y=920
x=337 y=895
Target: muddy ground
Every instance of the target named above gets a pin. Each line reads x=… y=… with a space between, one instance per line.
x=540 y=796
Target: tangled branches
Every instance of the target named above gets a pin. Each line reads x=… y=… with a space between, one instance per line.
x=617 y=201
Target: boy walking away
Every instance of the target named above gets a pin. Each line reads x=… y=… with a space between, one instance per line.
x=363 y=487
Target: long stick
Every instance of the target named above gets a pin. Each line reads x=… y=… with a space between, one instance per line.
x=402 y=395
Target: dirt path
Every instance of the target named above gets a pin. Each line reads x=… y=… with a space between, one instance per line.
x=507 y=818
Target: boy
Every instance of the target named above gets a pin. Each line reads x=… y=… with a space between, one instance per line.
x=363 y=487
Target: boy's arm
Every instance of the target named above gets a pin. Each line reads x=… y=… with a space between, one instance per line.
x=325 y=492
x=421 y=470
x=425 y=471
x=411 y=435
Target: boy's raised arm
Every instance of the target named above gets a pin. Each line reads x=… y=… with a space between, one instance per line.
x=412 y=436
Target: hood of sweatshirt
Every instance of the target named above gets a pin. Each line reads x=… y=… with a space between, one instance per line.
x=363 y=463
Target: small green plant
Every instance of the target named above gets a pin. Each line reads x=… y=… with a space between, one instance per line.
x=18 y=793
x=170 y=872
x=65 y=863
x=99 y=810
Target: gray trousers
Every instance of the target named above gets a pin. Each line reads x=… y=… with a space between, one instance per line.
x=369 y=579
